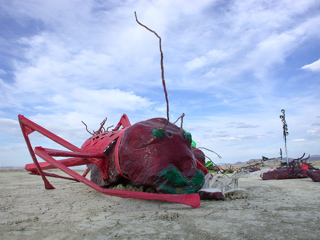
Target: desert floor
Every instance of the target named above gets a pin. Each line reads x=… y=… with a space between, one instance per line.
x=274 y=209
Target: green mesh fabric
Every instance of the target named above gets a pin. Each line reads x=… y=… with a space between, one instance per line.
x=158 y=132
x=170 y=180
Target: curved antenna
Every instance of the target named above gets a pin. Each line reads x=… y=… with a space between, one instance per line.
x=210 y=151
x=297 y=159
x=100 y=130
x=182 y=115
x=87 y=128
x=214 y=163
x=162 y=69
x=110 y=127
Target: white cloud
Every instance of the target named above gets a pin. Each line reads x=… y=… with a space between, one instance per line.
x=213 y=56
x=299 y=140
x=314 y=67
x=314 y=131
x=241 y=125
x=276 y=47
x=9 y=127
x=85 y=60
x=99 y=100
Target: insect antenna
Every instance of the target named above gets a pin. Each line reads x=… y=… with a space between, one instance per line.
x=182 y=115
x=215 y=165
x=210 y=151
x=87 y=128
x=100 y=130
x=162 y=68
x=110 y=127
x=101 y=127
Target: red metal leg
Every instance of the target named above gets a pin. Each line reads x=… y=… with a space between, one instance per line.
x=124 y=122
x=86 y=172
x=26 y=130
x=29 y=127
x=70 y=162
x=192 y=200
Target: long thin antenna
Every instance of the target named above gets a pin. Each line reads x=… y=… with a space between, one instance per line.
x=181 y=117
x=162 y=69
x=210 y=151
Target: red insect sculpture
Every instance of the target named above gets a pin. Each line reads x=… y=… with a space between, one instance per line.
x=143 y=154
x=153 y=153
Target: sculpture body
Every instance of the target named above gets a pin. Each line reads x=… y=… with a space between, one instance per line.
x=141 y=154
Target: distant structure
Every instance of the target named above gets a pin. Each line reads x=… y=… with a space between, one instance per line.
x=285 y=132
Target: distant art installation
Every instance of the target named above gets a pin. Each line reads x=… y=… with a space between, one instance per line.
x=297 y=168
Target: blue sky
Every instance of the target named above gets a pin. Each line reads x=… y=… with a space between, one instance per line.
x=230 y=66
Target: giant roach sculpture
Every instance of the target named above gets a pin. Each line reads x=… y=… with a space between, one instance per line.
x=153 y=153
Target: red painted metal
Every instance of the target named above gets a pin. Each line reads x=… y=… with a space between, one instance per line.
x=297 y=168
x=116 y=155
x=92 y=153
x=70 y=162
x=314 y=175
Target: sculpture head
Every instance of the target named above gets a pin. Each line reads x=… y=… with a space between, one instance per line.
x=162 y=158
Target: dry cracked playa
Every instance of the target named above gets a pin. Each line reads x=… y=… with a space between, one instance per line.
x=274 y=209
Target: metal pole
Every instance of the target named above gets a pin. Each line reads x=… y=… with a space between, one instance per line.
x=285 y=131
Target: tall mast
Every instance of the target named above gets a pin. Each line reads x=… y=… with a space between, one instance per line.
x=285 y=131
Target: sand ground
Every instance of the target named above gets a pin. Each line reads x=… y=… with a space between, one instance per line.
x=274 y=209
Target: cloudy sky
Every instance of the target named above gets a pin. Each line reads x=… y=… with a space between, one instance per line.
x=230 y=66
